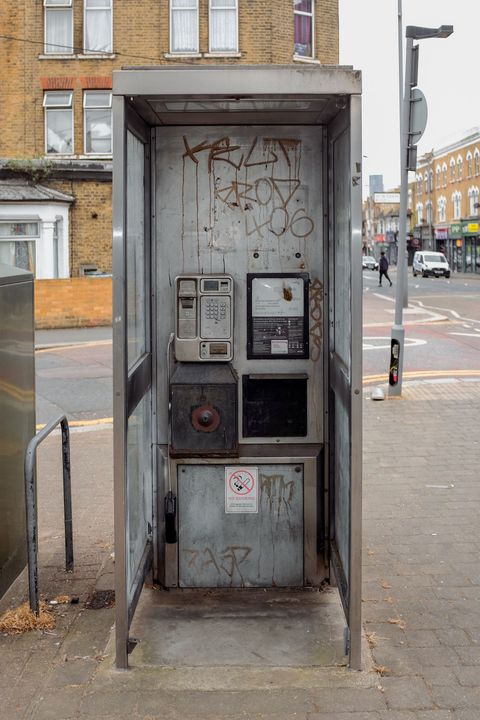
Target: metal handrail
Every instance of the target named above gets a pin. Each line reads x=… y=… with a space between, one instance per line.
x=31 y=505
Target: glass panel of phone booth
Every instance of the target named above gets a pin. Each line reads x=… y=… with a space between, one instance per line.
x=132 y=372
x=345 y=372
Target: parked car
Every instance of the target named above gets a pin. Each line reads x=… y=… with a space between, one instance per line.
x=430 y=263
x=369 y=263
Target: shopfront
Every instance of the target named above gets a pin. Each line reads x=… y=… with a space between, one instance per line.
x=455 y=247
x=471 y=246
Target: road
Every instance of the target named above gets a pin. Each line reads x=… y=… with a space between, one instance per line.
x=442 y=328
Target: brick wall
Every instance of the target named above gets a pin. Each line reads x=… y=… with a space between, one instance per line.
x=74 y=302
x=140 y=37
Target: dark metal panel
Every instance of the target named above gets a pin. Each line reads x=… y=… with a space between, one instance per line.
x=17 y=415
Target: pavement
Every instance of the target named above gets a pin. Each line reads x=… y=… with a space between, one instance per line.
x=421 y=591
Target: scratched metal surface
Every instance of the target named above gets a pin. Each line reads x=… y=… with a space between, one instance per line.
x=219 y=549
x=237 y=200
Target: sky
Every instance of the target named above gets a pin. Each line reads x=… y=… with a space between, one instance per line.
x=448 y=74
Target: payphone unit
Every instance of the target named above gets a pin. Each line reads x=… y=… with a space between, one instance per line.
x=204 y=318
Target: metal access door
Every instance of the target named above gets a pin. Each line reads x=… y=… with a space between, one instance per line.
x=132 y=345
x=345 y=365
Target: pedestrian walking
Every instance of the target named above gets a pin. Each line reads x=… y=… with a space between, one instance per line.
x=383 y=269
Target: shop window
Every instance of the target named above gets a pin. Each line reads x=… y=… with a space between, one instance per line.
x=97 y=26
x=223 y=35
x=58 y=123
x=97 y=106
x=58 y=27
x=17 y=243
x=184 y=26
x=303 y=28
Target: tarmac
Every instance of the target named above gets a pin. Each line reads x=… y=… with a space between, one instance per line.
x=421 y=591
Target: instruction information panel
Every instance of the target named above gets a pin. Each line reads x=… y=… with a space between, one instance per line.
x=241 y=489
x=277 y=317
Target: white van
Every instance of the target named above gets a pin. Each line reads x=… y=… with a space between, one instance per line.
x=430 y=263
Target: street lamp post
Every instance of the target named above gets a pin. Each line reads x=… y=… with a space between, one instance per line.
x=413 y=118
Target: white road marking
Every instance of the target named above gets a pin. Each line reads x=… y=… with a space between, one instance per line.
x=409 y=342
x=465 y=334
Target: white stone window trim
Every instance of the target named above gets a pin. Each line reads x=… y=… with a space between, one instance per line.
x=310 y=60
x=79 y=56
x=473 y=197
x=47 y=215
x=457 y=205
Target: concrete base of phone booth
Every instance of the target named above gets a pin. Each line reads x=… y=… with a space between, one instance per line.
x=251 y=627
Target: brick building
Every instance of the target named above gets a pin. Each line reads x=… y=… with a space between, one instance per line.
x=445 y=202
x=56 y=142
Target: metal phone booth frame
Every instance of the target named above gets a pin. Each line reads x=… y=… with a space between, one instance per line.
x=245 y=178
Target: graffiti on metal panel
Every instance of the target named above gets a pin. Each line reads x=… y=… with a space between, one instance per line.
x=278 y=492
x=316 y=297
x=227 y=562
x=263 y=184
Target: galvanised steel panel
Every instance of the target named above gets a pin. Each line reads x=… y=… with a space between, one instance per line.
x=242 y=200
x=17 y=415
x=219 y=549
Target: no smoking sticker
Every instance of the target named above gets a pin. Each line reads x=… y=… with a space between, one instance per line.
x=241 y=489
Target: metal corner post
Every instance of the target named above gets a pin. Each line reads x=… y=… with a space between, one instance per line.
x=119 y=383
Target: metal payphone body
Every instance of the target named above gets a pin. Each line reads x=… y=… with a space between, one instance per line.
x=238 y=191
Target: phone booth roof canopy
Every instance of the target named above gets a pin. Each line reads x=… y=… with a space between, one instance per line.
x=264 y=94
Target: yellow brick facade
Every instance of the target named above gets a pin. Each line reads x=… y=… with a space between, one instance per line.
x=140 y=38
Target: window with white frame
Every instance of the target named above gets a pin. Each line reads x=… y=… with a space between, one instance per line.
x=444 y=173
x=303 y=28
x=457 y=205
x=97 y=26
x=184 y=26
x=476 y=161
x=452 y=170
x=441 y=209
x=459 y=168
x=223 y=35
x=97 y=108
x=58 y=20
x=419 y=184
x=429 y=213
x=430 y=181
x=419 y=213
x=438 y=176
x=425 y=178
x=469 y=164
x=473 y=201
x=58 y=122
x=17 y=243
